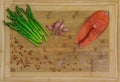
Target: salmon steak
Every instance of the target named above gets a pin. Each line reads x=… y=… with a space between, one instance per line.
x=93 y=27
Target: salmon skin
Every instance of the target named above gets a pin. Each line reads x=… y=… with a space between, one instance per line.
x=92 y=28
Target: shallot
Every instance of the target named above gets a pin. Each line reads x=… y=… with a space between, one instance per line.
x=56 y=24
x=61 y=26
x=49 y=27
x=57 y=28
x=65 y=29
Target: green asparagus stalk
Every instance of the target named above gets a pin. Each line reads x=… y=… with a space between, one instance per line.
x=40 y=28
x=26 y=25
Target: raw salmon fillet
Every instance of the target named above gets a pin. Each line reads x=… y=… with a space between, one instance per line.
x=92 y=28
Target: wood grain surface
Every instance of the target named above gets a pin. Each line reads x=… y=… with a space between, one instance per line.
x=60 y=59
x=60 y=53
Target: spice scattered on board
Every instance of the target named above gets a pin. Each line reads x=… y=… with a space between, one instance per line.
x=65 y=57
x=93 y=27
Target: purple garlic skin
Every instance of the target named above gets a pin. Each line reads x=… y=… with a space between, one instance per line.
x=65 y=29
x=57 y=32
x=61 y=26
x=49 y=27
x=56 y=24
x=58 y=28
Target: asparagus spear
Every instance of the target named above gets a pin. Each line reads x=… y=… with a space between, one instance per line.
x=26 y=25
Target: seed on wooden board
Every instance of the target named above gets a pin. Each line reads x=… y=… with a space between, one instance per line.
x=76 y=12
x=14 y=37
x=12 y=52
x=12 y=70
x=58 y=59
x=67 y=64
x=37 y=52
x=15 y=58
x=27 y=62
x=80 y=69
x=69 y=36
x=18 y=63
x=75 y=63
x=30 y=53
x=74 y=49
x=11 y=45
x=100 y=56
x=95 y=49
x=19 y=52
x=48 y=15
x=21 y=60
x=36 y=65
x=24 y=50
x=25 y=66
x=21 y=47
x=21 y=55
x=16 y=41
x=73 y=69
x=37 y=68
x=44 y=62
x=75 y=57
x=25 y=57
x=45 y=57
x=53 y=69
x=50 y=68
x=40 y=62
x=31 y=57
x=21 y=68
x=73 y=16
x=59 y=70
x=50 y=62
x=102 y=41
x=10 y=61
x=37 y=59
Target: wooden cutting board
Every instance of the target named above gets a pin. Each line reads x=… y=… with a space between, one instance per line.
x=60 y=58
x=60 y=53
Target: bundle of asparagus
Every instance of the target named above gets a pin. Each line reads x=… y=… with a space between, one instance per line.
x=24 y=23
